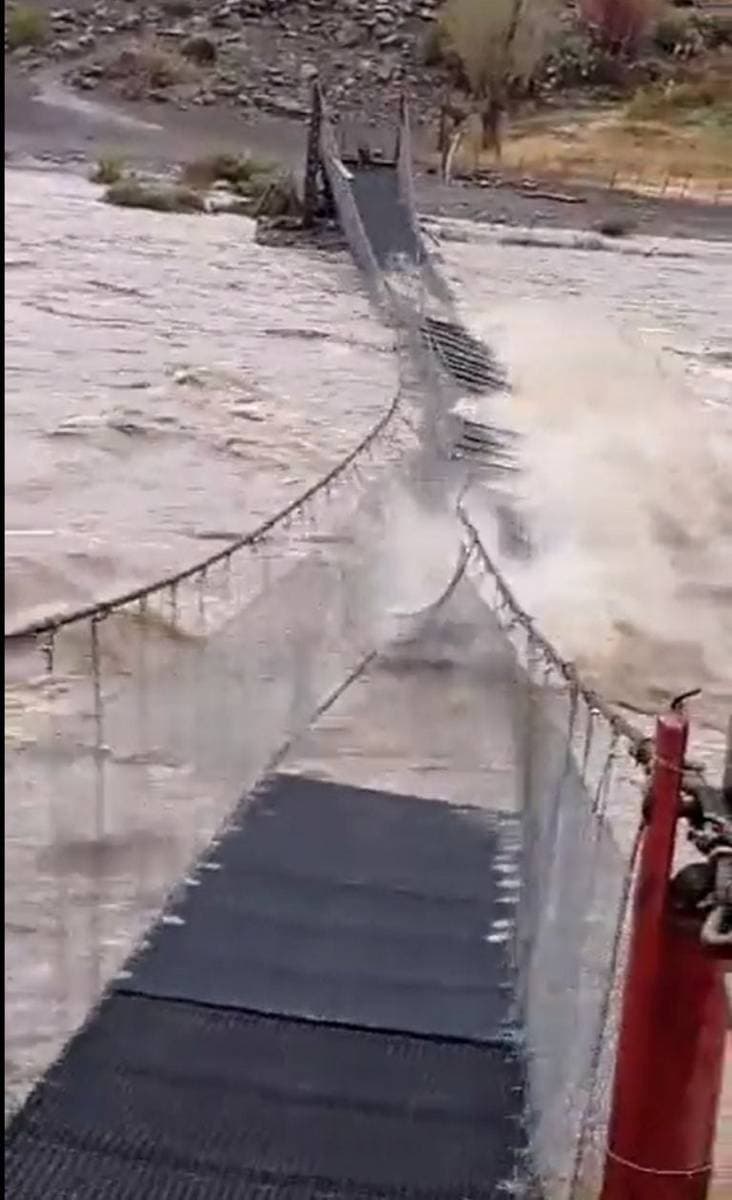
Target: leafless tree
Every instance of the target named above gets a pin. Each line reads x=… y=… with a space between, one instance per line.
x=499 y=44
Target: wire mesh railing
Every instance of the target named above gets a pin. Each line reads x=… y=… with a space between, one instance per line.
x=584 y=784
x=582 y=765
x=134 y=724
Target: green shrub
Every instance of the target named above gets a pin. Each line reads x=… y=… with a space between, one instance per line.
x=614 y=227
x=237 y=171
x=578 y=60
x=108 y=170
x=715 y=29
x=655 y=103
x=132 y=192
x=149 y=67
x=26 y=26
x=279 y=198
x=674 y=28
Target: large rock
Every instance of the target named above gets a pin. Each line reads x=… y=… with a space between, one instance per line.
x=178 y=9
x=350 y=34
x=200 y=49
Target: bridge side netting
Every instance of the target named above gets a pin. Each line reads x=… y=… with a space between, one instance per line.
x=579 y=785
x=133 y=728
x=580 y=793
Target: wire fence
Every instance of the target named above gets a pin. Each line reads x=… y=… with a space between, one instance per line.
x=538 y=176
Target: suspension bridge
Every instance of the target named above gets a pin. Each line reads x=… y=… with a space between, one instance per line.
x=390 y=973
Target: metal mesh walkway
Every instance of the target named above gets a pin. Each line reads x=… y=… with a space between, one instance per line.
x=386 y=219
x=325 y=1014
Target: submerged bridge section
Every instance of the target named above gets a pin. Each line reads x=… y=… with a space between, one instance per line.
x=382 y=216
x=386 y=218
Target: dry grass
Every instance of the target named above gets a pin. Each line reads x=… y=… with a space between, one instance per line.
x=257 y=190
x=261 y=191
x=707 y=97
x=108 y=170
x=131 y=192
x=676 y=141
x=280 y=198
x=242 y=174
x=26 y=26
x=149 y=67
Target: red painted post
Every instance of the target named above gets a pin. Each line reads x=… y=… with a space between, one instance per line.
x=673 y=1023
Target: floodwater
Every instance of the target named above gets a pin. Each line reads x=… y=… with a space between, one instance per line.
x=620 y=362
x=169 y=383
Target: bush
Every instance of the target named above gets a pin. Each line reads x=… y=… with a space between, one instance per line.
x=715 y=29
x=685 y=32
x=279 y=198
x=672 y=29
x=132 y=192
x=614 y=227
x=200 y=49
x=679 y=33
x=621 y=25
x=238 y=172
x=108 y=170
x=147 y=67
x=578 y=59
x=654 y=103
x=26 y=26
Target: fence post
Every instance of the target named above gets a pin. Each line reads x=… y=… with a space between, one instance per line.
x=312 y=162
x=673 y=1022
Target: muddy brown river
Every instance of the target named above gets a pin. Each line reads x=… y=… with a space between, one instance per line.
x=169 y=382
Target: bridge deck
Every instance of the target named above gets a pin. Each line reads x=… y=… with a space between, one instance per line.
x=328 y=1012
x=386 y=219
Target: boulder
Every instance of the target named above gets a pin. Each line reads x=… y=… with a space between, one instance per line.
x=200 y=49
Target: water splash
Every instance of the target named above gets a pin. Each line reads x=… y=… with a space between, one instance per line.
x=626 y=491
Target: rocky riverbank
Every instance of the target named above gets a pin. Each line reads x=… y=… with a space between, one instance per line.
x=161 y=83
x=253 y=56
